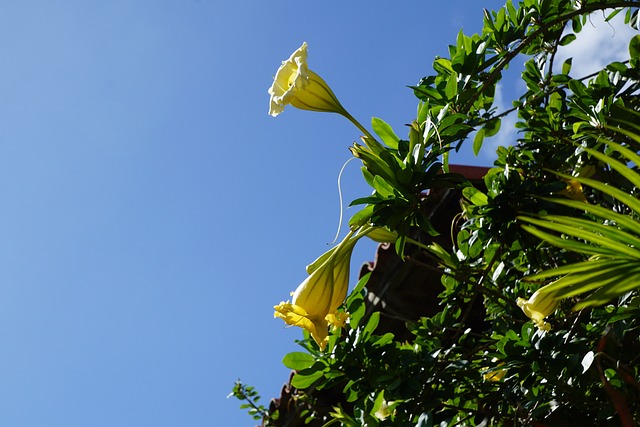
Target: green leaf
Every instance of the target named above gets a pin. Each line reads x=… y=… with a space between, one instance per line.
x=569 y=244
x=608 y=231
x=555 y=102
x=577 y=268
x=631 y=175
x=302 y=382
x=605 y=244
x=560 y=79
x=475 y=196
x=451 y=89
x=492 y=127
x=566 y=66
x=579 y=283
x=400 y=245
x=361 y=283
x=611 y=15
x=385 y=132
x=622 y=221
x=442 y=66
x=567 y=39
x=423 y=111
x=627 y=279
x=383 y=340
x=298 y=360
x=372 y=162
x=357 y=309
x=371 y=325
x=634 y=46
x=614 y=192
x=477 y=141
x=383 y=188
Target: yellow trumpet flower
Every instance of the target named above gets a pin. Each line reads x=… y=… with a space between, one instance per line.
x=540 y=305
x=295 y=84
x=316 y=301
x=573 y=190
x=493 y=374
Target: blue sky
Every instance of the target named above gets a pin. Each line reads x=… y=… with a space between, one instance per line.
x=153 y=213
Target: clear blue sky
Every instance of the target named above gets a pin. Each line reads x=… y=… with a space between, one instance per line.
x=152 y=213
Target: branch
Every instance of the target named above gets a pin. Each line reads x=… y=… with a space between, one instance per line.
x=496 y=72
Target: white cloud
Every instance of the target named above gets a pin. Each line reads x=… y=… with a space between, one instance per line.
x=598 y=44
x=508 y=133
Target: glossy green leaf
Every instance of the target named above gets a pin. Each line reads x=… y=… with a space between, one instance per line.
x=567 y=39
x=478 y=140
x=451 y=90
x=492 y=127
x=385 y=132
x=634 y=47
x=302 y=382
x=298 y=360
x=566 y=66
x=383 y=188
x=475 y=196
x=372 y=324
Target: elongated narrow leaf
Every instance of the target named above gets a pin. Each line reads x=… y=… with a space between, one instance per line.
x=623 y=221
x=628 y=154
x=576 y=284
x=626 y=280
x=570 y=244
x=605 y=243
x=614 y=192
x=624 y=170
x=610 y=232
x=579 y=267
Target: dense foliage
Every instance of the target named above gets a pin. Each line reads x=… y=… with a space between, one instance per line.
x=554 y=234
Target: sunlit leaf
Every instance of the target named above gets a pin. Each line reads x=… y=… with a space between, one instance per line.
x=385 y=132
x=298 y=360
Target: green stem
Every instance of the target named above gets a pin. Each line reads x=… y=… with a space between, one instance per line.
x=418 y=244
x=359 y=126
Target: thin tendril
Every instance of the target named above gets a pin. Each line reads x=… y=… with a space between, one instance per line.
x=340 y=198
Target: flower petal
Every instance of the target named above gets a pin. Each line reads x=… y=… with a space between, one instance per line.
x=297 y=316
